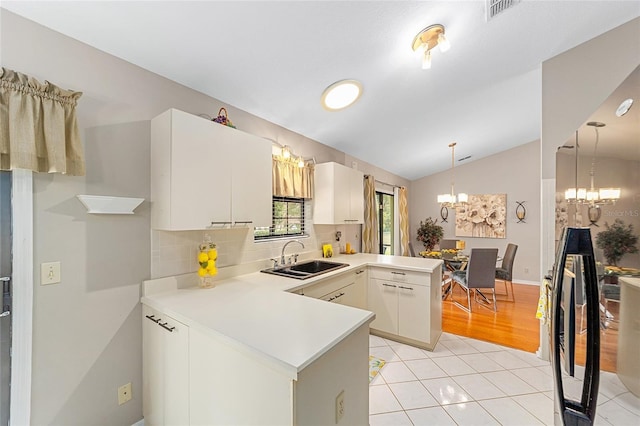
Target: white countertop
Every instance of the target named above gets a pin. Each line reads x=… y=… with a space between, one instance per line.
x=256 y=314
x=632 y=281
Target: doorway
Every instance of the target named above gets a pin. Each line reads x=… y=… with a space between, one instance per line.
x=5 y=301
x=385 y=222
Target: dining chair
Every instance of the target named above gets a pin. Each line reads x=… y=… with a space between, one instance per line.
x=505 y=272
x=479 y=274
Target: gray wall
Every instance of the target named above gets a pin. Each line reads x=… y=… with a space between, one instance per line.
x=515 y=172
x=87 y=329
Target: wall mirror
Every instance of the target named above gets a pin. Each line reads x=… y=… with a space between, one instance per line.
x=604 y=154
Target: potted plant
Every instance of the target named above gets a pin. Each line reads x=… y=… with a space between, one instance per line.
x=616 y=241
x=429 y=233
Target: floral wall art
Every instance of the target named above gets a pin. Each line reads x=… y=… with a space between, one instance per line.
x=484 y=216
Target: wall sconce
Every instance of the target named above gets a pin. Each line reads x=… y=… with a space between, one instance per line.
x=444 y=214
x=594 y=212
x=521 y=211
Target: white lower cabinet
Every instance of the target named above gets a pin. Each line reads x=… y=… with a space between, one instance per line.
x=348 y=289
x=407 y=306
x=165 y=369
x=229 y=386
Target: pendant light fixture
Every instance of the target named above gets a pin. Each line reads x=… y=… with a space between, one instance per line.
x=451 y=199
x=592 y=196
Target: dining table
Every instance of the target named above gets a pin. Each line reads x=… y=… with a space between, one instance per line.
x=457 y=261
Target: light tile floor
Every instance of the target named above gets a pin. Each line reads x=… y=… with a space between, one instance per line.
x=470 y=382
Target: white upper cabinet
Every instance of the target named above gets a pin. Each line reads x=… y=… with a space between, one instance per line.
x=338 y=195
x=203 y=172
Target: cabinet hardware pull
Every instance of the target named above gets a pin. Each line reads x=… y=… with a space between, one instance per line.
x=330 y=299
x=340 y=295
x=398 y=273
x=153 y=318
x=222 y=224
x=164 y=325
x=359 y=272
x=389 y=285
x=407 y=288
x=242 y=222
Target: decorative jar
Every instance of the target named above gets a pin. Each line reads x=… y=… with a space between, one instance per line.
x=207 y=256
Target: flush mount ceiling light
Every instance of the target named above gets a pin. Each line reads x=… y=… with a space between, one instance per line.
x=427 y=39
x=341 y=94
x=624 y=107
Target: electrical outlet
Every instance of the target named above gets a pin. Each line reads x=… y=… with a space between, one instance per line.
x=49 y=273
x=526 y=270
x=339 y=406
x=124 y=393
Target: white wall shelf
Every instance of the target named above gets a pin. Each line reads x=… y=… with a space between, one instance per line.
x=100 y=204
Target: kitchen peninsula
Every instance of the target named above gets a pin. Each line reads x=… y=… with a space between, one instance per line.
x=253 y=341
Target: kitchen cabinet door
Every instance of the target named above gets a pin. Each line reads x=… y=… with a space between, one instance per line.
x=383 y=300
x=165 y=369
x=176 y=373
x=338 y=195
x=356 y=196
x=152 y=369
x=190 y=172
x=357 y=295
x=251 y=187
x=413 y=312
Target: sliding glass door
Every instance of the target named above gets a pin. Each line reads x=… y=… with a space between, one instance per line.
x=385 y=222
x=5 y=298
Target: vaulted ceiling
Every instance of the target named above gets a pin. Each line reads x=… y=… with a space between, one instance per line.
x=274 y=59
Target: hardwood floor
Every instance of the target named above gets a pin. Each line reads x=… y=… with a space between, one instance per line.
x=515 y=324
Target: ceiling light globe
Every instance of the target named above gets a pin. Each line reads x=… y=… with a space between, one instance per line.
x=443 y=43
x=426 y=60
x=341 y=94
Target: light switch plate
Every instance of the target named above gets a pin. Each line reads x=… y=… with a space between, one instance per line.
x=49 y=273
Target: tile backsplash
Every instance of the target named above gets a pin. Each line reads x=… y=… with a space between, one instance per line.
x=174 y=252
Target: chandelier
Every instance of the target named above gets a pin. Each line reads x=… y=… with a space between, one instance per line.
x=451 y=200
x=592 y=196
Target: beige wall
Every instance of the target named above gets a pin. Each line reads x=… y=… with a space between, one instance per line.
x=515 y=172
x=87 y=329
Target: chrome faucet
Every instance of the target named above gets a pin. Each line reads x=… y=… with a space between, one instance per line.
x=282 y=261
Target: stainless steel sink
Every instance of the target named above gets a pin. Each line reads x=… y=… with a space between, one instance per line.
x=304 y=270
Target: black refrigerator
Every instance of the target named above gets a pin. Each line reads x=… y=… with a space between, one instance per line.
x=575 y=310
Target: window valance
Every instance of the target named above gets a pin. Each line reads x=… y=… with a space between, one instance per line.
x=290 y=180
x=38 y=126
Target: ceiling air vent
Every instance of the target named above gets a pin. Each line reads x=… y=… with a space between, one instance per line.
x=495 y=7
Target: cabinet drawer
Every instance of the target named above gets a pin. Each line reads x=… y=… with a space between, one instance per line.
x=329 y=285
x=400 y=276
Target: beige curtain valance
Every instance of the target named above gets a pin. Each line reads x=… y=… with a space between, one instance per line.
x=38 y=126
x=290 y=180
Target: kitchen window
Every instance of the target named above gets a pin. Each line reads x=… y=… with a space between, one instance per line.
x=288 y=220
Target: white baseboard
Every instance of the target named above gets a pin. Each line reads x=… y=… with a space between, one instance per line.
x=139 y=423
x=527 y=282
